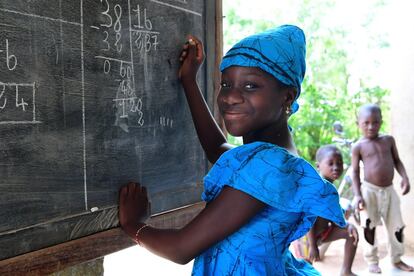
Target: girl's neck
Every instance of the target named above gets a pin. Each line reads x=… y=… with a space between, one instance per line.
x=278 y=135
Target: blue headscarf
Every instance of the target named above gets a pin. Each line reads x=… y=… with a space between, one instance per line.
x=279 y=52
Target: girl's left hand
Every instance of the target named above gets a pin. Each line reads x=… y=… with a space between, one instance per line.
x=134 y=207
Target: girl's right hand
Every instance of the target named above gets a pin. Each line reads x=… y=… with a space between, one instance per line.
x=191 y=58
x=134 y=207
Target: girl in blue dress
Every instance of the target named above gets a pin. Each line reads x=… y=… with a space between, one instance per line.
x=259 y=196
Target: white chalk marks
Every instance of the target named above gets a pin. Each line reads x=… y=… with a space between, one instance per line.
x=177 y=7
x=102 y=43
x=18 y=103
x=116 y=54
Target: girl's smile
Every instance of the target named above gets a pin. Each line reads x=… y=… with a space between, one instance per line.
x=231 y=115
x=252 y=101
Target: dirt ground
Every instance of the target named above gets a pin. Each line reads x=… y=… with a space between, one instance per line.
x=333 y=258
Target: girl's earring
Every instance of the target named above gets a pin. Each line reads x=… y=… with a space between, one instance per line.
x=288 y=110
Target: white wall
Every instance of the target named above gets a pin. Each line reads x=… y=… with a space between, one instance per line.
x=402 y=102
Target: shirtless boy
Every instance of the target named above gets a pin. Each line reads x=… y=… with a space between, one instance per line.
x=375 y=195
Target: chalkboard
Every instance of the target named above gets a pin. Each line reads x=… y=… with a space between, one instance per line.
x=89 y=99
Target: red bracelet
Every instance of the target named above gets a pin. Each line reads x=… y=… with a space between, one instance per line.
x=137 y=233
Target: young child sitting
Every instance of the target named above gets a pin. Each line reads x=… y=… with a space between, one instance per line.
x=260 y=196
x=330 y=166
x=375 y=194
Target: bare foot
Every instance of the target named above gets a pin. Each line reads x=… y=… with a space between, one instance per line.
x=350 y=273
x=374 y=268
x=403 y=266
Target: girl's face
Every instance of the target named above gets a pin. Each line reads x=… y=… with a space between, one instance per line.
x=331 y=166
x=251 y=100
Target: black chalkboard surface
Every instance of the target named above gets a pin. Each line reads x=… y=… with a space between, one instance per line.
x=89 y=99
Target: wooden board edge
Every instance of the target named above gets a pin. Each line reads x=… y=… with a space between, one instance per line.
x=55 y=258
x=214 y=46
x=217 y=61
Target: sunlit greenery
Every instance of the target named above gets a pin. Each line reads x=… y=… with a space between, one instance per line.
x=331 y=90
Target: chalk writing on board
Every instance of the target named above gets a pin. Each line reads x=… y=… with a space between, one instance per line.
x=17 y=100
x=177 y=7
x=126 y=99
x=17 y=103
x=88 y=91
x=146 y=39
x=166 y=122
x=11 y=60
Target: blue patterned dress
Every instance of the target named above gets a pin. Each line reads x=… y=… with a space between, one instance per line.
x=295 y=195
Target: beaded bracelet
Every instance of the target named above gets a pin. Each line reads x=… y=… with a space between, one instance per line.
x=138 y=231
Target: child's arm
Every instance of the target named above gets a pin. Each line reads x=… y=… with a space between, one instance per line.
x=353 y=233
x=209 y=133
x=313 y=247
x=221 y=217
x=356 y=181
x=405 y=183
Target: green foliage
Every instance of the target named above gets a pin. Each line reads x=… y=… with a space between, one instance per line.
x=235 y=140
x=238 y=27
x=326 y=94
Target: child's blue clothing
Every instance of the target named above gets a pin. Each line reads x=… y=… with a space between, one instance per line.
x=295 y=195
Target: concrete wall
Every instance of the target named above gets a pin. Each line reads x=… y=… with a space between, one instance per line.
x=402 y=102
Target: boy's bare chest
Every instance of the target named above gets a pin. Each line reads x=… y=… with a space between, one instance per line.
x=378 y=149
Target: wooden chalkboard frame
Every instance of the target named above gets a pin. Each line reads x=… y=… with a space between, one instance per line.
x=58 y=257
x=55 y=258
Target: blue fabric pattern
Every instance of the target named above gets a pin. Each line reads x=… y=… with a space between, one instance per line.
x=280 y=52
x=295 y=195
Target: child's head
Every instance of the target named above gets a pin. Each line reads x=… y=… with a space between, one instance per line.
x=261 y=78
x=369 y=120
x=329 y=162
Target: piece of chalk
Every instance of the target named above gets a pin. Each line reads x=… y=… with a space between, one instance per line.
x=94 y=209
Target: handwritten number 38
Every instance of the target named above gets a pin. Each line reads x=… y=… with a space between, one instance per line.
x=105 y=13
x=117 y=26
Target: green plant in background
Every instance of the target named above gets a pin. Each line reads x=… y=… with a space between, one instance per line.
x=326 y=93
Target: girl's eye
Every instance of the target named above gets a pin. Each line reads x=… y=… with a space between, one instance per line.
x=224 y=84
x=250 y=85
